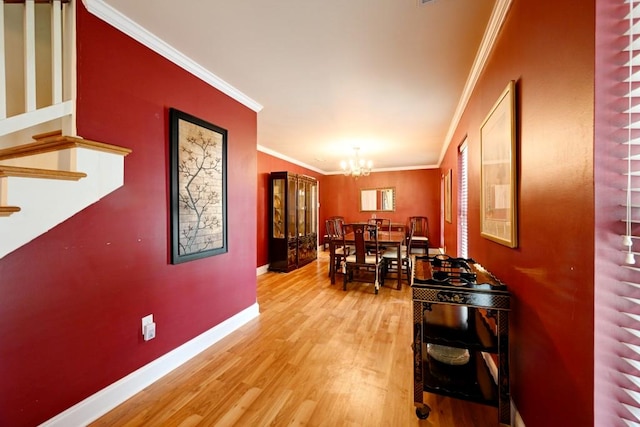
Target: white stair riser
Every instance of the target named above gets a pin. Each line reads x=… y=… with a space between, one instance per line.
x=46 y=203
x=64 y=160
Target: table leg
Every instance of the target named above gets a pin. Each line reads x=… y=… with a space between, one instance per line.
x=399 y=285
x=332 y=262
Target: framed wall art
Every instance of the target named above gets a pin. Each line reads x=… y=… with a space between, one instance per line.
x=498 y=171
x=447 y=196
x=198 y=193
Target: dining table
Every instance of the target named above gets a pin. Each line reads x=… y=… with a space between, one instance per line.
x=386 y=239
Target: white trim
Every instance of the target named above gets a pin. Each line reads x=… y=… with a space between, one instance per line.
x=396 y=169
x=56 y=52
x=3 y=75
x=273 y=153
x=33 y=118
x=113 y=17
x=111 y=396
x=29 y=56
x=498 y=17
x=288 y=159
x=491 y=365
x=69 y=74
x=262 y=269
x=516 y=419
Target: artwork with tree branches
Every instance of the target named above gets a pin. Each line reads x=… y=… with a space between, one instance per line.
x=198 y=195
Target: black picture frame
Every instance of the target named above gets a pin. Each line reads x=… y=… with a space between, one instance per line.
x=198 y=187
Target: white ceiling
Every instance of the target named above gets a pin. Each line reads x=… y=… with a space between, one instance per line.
x=382 y=75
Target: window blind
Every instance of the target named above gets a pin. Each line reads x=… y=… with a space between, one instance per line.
x=629 y=308
x=463 y=250
x=632 y=189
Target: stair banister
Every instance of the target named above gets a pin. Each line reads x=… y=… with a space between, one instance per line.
x=3 y=74
x=61 y=40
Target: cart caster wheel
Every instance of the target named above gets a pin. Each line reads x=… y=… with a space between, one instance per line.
x=423 y=413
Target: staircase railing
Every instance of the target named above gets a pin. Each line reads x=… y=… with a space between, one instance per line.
x=36 y=52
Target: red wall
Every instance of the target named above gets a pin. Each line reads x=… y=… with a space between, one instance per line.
x=267 y=164
x=72 y=300
x=548 y=48
x=417 y=194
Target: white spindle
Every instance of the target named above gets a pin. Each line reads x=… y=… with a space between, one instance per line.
x=56 y=52
x=3 y=75
x=62 y=48
x=30 y=55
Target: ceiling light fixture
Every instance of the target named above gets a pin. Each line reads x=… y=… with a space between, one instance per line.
x=356 y=167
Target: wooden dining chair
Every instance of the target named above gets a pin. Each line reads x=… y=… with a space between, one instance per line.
x=390 y=256
x=339 y=220
x=335 y=235
x=367 y=257
x=382 y=224
x=326 y=240
x=420 y=241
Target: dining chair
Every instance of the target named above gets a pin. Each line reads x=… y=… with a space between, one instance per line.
x=367 y=257
x=339 y=228
x=325 y=241
x=335 y=235
x=390 y=256
x=420 y=241
x=382 y=224
x=339 y=220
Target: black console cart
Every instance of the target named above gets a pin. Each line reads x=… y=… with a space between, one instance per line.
x=459 y=305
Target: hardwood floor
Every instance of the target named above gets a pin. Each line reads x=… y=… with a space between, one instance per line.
x=315 y=356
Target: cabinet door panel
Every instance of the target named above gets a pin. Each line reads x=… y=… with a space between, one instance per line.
x=293 y=214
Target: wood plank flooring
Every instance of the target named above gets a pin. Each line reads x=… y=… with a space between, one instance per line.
x=315 y=356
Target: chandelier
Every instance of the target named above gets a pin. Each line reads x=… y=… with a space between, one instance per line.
x=356 y=167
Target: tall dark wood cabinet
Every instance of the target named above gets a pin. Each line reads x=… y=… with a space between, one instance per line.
x=293 y=233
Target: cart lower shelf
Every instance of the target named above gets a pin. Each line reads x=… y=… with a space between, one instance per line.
x=471 y=381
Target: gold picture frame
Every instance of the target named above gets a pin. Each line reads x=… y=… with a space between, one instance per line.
x=498 y=181
x=447 y=196
x=378 y=199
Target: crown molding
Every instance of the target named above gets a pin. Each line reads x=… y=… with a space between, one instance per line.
x=396 y=169
x=121 y=22
x=498 y=16
x=323 y=172
x=280 y=156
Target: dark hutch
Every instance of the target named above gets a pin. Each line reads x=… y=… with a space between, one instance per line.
x=293 y=231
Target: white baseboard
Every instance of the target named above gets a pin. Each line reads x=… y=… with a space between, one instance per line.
x=111 y=396
x=516 y=419
x=262 y=269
